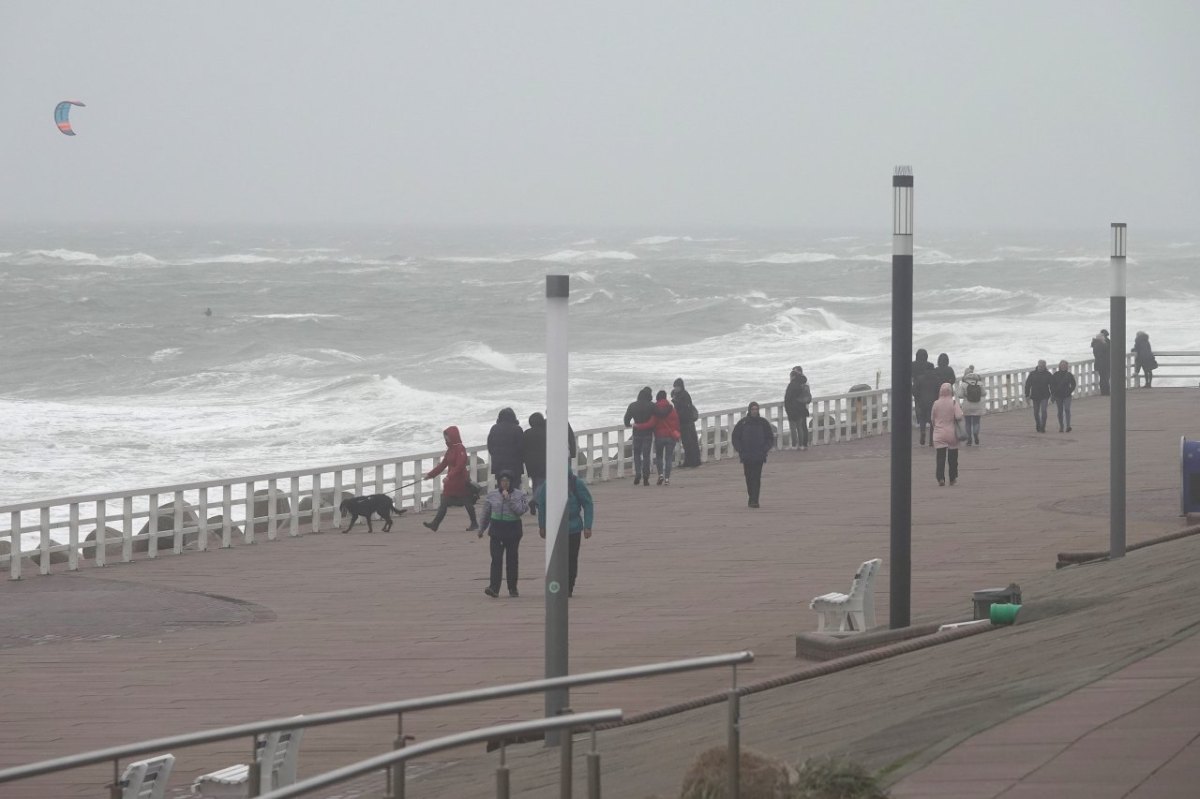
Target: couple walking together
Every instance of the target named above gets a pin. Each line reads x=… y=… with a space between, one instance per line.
x=658 y=425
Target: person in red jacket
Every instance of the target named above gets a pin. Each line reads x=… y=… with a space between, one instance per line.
x=665 y=423
x=456 y=489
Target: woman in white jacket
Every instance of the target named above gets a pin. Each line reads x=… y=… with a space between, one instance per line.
x=972 y=396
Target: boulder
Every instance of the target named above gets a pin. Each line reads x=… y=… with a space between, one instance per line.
x=262 y=504
x=112 y=544
x=329 y=500
x=166 y=524
x=215 y=530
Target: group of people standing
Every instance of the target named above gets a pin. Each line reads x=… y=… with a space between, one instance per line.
x=512 y=452
x=1143 y=361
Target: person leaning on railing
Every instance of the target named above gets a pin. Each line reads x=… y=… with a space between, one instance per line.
x=1144 y=357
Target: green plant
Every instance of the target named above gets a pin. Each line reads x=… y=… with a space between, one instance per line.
x=835 y=778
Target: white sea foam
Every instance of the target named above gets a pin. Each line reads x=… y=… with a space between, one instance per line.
x=166 y=354
x=483 y=354
x=342 y=356
x=794 y=258
x=650 y=241
x=296 y=316
x=576 y=256
x=580 y=299
x=477 y=259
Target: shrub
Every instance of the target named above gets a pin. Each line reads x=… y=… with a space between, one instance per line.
x=835 y=778
x=760 y=777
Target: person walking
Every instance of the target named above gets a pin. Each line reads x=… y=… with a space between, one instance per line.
x=971 y=399
x=1144 y=359
x=456 y=488
x=795 y=404
x=924 y=390
x=688 y=416
x=580 y=515
x=943 y=416
x=502 y=512
x=753 y=438
x=1102 y=352
x=506 y=445
x=1062 y=386
x=1037 y=391
x=666 y=433
x=639 y=412
x=945 y=372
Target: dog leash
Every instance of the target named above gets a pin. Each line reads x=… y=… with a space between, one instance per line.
x=406 y=485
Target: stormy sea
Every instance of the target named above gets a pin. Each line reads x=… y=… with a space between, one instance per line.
x=133 y=358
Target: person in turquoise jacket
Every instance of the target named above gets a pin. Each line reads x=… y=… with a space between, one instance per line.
x=580 y=510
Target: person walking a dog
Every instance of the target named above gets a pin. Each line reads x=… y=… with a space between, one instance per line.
x=502 y=512
x=580 y=514
x=456 y=488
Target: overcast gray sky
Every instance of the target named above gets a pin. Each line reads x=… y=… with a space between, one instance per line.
x=1023 y=114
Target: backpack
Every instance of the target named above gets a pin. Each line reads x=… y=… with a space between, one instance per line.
x=974 y=392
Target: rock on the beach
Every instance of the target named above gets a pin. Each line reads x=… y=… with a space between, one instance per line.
x=216 y=529
x=329 y=500
x=262 y=504
x=112 y=544
x=166 y=524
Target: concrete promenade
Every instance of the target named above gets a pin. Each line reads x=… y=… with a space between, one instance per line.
x=135 y=651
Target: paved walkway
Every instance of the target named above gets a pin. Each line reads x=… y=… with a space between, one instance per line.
x=326 y=621
x=1132 y=735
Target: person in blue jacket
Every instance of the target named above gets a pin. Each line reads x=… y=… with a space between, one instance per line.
x=580 y=512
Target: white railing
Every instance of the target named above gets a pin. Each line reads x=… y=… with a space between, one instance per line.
x=247 y=509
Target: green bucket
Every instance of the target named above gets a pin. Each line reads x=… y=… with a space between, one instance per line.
x=1004 y=614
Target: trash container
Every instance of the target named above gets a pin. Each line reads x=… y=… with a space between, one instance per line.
x=984 y=599
x=1189 y=468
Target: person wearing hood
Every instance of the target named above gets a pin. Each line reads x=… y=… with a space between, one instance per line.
x=945 y=372
x=456 y=488
x=1037 y=391
x=943 y=415
x=534 y=449
x=638 y=414
x=1144 y=359
x=971 y=395
x=753 y=437
x=924 y=390
x=796 y=398
x=502 y=512
x=1062 y=386
x=506 y=445
x=666 y=433
x=688 y=416
x=1102 y=352
x=580 y=515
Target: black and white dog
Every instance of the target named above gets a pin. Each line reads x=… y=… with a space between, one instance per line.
x=366 y=506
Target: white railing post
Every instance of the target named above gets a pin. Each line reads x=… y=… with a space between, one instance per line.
x=202 y=520
x=73 y=538
x=14 y=545
x=44 y=566
x=621 y=457
x=152 y=521
x=178 y=522
x=127 y=532
x=294 y=505
x=99 y=557
x=316 y=502
x=248 y=532
x=272 y=498
x=337 y=499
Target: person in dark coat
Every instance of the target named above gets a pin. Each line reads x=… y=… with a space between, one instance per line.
x=1144 y=359
x=795 y=404
x=456 y=487
x=945 y=372
x=1037 y=391
x=925 y=389
x=1062 y=386
x=534 y=452
x=1102 y=352
x=506 y=446
x=753 y=438
x=688 y=416
x=502 y=512
x=637 y=415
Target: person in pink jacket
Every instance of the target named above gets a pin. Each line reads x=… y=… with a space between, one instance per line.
x=945 y=412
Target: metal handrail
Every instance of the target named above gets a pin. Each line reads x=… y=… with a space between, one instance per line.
x=370 y=711
x=398 y=756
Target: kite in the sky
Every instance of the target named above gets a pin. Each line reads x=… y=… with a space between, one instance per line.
x=62 y=113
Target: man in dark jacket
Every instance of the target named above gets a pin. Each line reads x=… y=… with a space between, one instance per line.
x=753 y=438
x=1037 y=391
x=506 y=446
x=795 y=404
x=688 y=416
x=638 y=413
x=1102 y=352
x=534 y=451
x=1062 y=386
x=925 y=390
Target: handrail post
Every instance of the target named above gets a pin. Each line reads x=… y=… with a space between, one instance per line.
x=735 y=740
x=593 y=770
x=254 y=773
x=396 y=774
x=502 y=775
x=564 y=758
x=116 y=789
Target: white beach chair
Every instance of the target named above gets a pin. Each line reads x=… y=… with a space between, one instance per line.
x=278 y=754
x=147 y=779
x=852 y=612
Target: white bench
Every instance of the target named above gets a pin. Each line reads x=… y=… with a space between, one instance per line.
x=852 y=612
x=277 y=755
x=147 y=779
